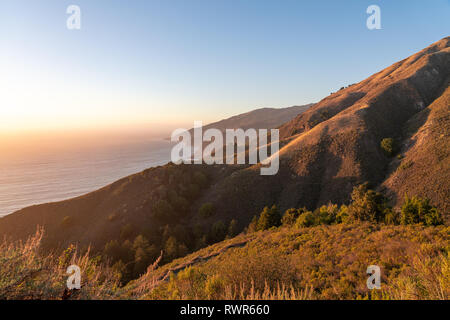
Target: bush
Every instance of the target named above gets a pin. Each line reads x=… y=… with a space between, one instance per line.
x=269 y=218
x=291 y=216
x=342 y=215
x=27 y=272
x=214 y=287
x=327 y=214
x=306 y=219
x=218 y=232
x=417 y=210
x=232 y=229
x=367 y=205
x=253 y=226
x=388 y=146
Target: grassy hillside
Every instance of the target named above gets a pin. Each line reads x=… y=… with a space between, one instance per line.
x=423 y=158
x=263 y=118
x=322 y=262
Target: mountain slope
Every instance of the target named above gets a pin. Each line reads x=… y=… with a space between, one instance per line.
x=336 y=144
x=324 y=262
x=425 y=156
x=263 y=118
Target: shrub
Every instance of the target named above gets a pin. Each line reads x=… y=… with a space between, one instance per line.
x=26 y=272
x=388 y=146
x=327 y=214
x=171 y=248
x=162 y=211
x=214 y=287
x=417 y=210
x=367 y=205
x=291 y=215
x=306 y=219
x=269 y=218
x=253 y=226
x=218 y=231
x=342 y=215
x=232 y=229
x=187 y=284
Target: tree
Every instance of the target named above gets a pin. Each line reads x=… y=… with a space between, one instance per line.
x=232 y=229
x=327 y=214
x=144 y=254
x=206 y=210
x=342 y=215
x=269 y=218
x=171 y=248
x=417 y=210
x=291 y=215
x=162 y=211
x=306 y=219
x=113 y=250
x=367 y=205
x=253 y=226
x=218 y=232
x=388 y=146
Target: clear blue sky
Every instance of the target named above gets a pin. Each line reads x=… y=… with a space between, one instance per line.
x=173 y=61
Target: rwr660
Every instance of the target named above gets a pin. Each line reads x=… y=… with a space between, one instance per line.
x=247 y=309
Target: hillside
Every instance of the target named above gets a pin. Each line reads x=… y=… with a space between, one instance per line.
x=263 y=118
x=326 y=151
x=335 y=144
x=324 y=262
x=424 y=157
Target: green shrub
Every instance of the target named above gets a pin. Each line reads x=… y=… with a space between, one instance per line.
x=232 y=229
x=327 y=214
x=342 y=215
x=214 y=287
x=218 y=231
x=417 y=210
x=367 y=205
x=291 y=215
x=269 y=218
x=306 y=219
x=388 y=146
x=253 y=226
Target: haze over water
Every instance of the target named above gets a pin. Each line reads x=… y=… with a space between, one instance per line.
x=40 y=173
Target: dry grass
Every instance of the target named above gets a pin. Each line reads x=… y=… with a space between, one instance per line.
x=27 y=274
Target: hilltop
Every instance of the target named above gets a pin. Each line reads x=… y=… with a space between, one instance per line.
x=262 y=118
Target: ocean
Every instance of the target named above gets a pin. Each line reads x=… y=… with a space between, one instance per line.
x=54 y=175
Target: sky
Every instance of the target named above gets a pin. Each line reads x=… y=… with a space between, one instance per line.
x=158 y=64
